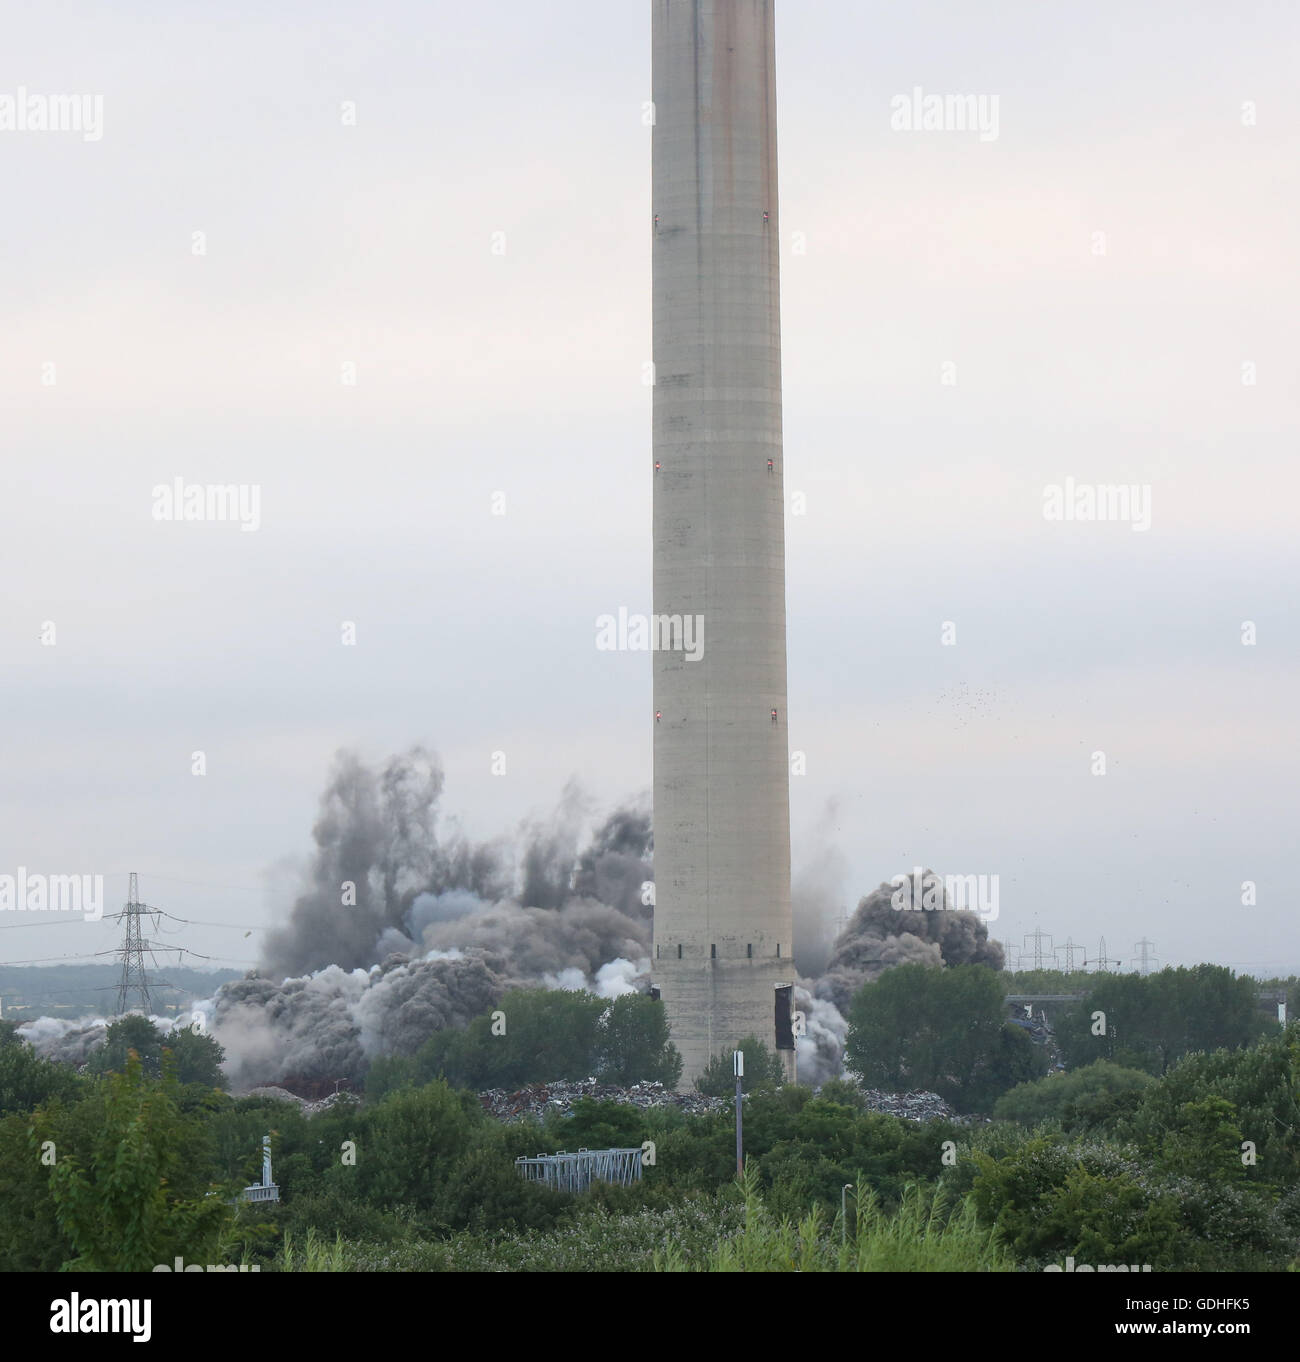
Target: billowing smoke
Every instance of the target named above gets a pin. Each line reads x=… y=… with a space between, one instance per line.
x=330 y=1024
x=820 y=1049
x=535 y=942
x=879 y=936
x=616 y=867
x=377 y=850
x=73 y=1042
x=815 y=889
x=550 y=852
x=404 y=929
x=70 y=1042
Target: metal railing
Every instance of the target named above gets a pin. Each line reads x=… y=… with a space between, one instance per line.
x=257 y=1192
x=576 y=1172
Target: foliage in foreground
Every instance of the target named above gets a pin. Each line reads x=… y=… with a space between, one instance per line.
x=1198 y=1169
x=920 y=1236
x=732 y=1231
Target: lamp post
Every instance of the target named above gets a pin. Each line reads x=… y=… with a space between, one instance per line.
x=844 y=1215
x=738 y=1068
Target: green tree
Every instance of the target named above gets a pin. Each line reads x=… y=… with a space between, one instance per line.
x=487 y=1194
x=30 y=1237
x=1206 y=1143
x=411 y=1142
x=1262 y=1085
x=542 y=1036
x=28 y=1081
x=944 y=1030
x=131 y=1196
x=763 y=1070
x=634 y=1044
x=1149 y=1022
x=387 y=1073
x=132 y=1032
x=600 y=1125
x=198 y=1058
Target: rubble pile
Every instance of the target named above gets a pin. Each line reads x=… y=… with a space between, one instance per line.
x=306 y=1106
x=545 y=1099
x=538 y=1100
x=912 y=1106
x=280 y=1094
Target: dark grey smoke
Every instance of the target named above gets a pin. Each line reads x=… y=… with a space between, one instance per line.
x=376 y=840
x=331 y=1024
x=533 y=944
x=617 y=865
x=879 y=936
x=551 y=851
x=440 y=928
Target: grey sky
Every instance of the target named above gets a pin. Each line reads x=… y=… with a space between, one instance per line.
x=522 y=372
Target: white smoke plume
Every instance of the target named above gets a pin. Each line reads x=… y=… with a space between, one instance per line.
x=820 y=1049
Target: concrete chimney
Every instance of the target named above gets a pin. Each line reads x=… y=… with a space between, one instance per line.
x=722 y=926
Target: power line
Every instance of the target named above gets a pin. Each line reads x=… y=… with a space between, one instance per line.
x=194 y=922
x=57 y=922
x=46 y=959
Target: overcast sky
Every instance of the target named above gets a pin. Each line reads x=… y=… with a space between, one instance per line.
x=1170 y=129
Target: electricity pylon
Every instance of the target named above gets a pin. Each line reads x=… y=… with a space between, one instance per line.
x=134 y=978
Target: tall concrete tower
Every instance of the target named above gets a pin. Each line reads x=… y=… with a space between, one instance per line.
x=722 y=925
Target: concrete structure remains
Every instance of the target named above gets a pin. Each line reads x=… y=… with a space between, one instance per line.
x=722 y=929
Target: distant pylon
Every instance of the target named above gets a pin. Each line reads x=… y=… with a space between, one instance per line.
x=1144 y=957
x=1037 y=936
x=132 y=952
x=1071 y=949
x=1102 y=963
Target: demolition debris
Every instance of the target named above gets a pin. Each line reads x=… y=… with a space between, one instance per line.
x=556 y=1099
x=305 y=1105
x=539 y=1100
x=911 y=1106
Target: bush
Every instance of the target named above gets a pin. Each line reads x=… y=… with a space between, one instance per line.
x=1050 y=1200
x=1047 y=1099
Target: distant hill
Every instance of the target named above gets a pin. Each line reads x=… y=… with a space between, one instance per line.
x=71 y=991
